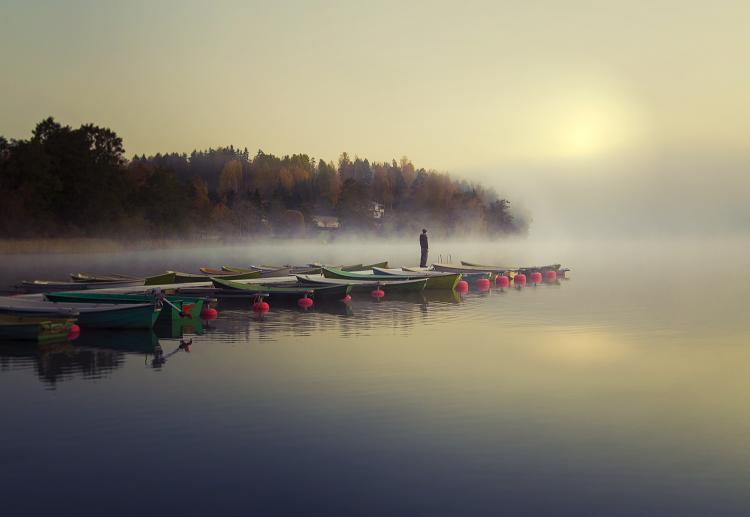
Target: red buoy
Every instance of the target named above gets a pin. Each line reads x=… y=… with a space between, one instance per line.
x=209 y=314
x=305 y=303
x=502 y=281
x=536 y=277
x=519 y=279
x=261 y=306
x=74 y=332
x=347 y=298
x=483 y=284
x=378 y=293
x=462 y=286
x=550 y=276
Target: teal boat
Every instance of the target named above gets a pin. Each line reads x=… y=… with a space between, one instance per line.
x=182 y=306
x=445 y=281
x=288 y=294
x=92 y=315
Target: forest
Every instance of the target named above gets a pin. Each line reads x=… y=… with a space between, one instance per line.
x=77 y=182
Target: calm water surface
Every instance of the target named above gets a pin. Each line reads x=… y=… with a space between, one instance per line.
x=623 y=391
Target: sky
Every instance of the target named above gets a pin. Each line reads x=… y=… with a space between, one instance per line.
x=629 y=118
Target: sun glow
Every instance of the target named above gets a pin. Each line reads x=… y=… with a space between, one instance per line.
x=593 y=125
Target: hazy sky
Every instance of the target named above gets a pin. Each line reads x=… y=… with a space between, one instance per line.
x=631 y=110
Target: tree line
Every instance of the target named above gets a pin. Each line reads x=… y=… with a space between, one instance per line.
x=64 y=181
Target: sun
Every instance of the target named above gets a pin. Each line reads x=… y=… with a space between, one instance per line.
x=592 y=125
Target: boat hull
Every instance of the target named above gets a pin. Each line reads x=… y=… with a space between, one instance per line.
x=37 y=330
x=360 y=286
x=189 y=307
x=434 y=281
x=286 y=295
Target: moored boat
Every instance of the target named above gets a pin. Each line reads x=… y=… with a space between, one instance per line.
x=93 y=278
x=46 y=286
x=364 y=267
x=445 y=281
x=179 y=306
x=288 y=294
x=176 y=277
x=396 y=286
x=34 y=328
x=435 y=280
x=142 y=315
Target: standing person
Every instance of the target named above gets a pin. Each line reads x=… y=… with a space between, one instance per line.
x=423 y=245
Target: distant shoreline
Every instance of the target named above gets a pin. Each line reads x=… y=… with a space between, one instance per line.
x=84 y=245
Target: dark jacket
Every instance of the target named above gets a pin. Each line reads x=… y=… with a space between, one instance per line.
x=423 y=241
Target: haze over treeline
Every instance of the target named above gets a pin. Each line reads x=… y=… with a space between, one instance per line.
x=66 y=181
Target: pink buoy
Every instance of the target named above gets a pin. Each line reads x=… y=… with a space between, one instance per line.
x=378 y=293
x=74 y=332
x=502 y=281
x=519 y=279
x=550 y=276
x=209 y=314
x=536 y=277
x=462 y=286
x=305 y=302
x=483 y=284
x=261 y=307
x=347 y=298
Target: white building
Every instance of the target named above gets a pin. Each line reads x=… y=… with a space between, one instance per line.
x=377 y=210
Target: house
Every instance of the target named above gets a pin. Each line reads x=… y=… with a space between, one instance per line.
x=377 y=210
x=326 y=222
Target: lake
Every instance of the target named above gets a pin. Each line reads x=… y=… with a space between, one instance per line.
x=621 y=391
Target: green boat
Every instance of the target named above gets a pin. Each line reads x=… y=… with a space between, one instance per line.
x=175 y=277
x=446 y=281
x=415 y=285
x=434 y=280
x=184 y=306
x=36 y=329
x=290 y=294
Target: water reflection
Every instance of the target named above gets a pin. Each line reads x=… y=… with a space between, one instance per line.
x=55 y=363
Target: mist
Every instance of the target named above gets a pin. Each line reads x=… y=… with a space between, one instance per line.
x=655 y=195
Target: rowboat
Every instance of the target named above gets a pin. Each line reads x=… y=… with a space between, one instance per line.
x=435 y=280
x=46 y=286
x=94 y=315
x=557 y=268
x=293 y=270
x=91 y=278
x=364 y=267
x=469 y=277
x=446 y=281
x=320 y=294
x=214 y=272
x=31 y=328
x=181 y=306
x=267 y=271
x=175 y=277
x=395 y=286
x=236 y=270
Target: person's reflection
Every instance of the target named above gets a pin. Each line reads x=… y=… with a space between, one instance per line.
x=160 y=358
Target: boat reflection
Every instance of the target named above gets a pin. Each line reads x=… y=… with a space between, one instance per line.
x=54 y=363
